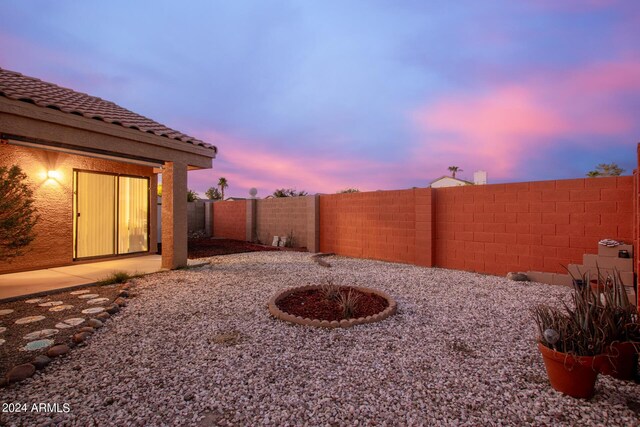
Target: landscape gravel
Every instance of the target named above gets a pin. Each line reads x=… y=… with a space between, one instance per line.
x=198 y=347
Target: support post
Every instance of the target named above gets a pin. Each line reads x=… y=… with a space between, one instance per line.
x=174 y=215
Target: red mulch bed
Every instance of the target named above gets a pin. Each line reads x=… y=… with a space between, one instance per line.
x=206 y=247
x=314 y=305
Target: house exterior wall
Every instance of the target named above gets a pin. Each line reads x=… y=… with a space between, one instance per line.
x=229 y=220
x=448 y=182
x=282 y=216
x=53 y=245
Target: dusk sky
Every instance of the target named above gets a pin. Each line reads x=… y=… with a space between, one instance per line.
x=325 y=95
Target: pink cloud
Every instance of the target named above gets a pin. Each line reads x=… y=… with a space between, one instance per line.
x=500 y=129
x=247 y=163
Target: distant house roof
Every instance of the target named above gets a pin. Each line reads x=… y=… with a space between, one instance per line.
x=19 y=87
x=461 y=181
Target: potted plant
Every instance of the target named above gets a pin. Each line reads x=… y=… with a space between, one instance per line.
x=620 y=321
x=571 y=342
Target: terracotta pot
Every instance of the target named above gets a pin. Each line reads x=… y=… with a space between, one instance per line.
x=571 y=375
x=620 y=361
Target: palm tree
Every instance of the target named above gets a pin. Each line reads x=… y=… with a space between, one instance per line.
x=222 y=184
x=454 y=170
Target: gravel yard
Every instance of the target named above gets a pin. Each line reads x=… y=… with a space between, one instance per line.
x=198 y=347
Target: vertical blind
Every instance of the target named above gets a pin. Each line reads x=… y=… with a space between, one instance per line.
x=111 y=214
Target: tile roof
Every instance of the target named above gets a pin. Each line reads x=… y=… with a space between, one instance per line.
x=48 y=95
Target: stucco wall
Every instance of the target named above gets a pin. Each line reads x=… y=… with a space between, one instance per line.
x=54 y=242
x=282 y=217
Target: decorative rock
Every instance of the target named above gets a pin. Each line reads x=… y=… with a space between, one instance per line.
x=2 y=329
x=103 y=316
x=41 y=362
x=45 y=333
x=80 y=292
x=20 y=373
x=123 y=293
x=50 y=303
x=58 y=350
x=108 y=401
x=29 y=319
x=95 y=323
x=113 y=309
x=518 y=277
x=5 y=311
x=61 y=307
x=93 y=310
x=121 y=302
x=89 y=296
x=2 y=341
x=37 y=345
x=33 y=300
x=88 y=329
x=81 y=337
x=187 y=397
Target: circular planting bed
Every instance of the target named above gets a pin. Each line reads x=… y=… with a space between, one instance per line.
x=332 y=306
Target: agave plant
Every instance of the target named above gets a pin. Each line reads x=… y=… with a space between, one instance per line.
x=348 y=301
x=330 y=291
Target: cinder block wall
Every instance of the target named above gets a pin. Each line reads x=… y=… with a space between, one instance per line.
x=536 y=226
x=229 y=219
x=280 y=217
x=195 y=216
x=379 y=225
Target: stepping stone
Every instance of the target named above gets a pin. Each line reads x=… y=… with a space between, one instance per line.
x=50 y=303
x=69 y=323
x=89 y=296
x=20 y=373
x=5 y=311
x=45 y=333
x=2 y=329
x=93 y=310
x=29 y=319
x=33 y=300
x=37 y=345
x=58 y=350
x=83 y=291
x=97 y=300
x=61 y=307
x=2 y=341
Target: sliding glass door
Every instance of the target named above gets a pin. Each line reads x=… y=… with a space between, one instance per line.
x=111 y=214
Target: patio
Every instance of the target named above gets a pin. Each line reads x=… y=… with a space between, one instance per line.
x=41 y=282
x=198 y=347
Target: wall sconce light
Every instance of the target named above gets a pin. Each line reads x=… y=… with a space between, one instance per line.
x=53 y=174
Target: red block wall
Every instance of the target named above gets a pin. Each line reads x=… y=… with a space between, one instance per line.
x=536 y=226
x=230 y=220
x=378 y=225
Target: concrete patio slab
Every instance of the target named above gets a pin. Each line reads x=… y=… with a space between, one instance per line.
x=40 y=282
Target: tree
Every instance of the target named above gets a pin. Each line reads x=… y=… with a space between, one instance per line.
x=288 y=192
x=454 y=170
x=213 y=194
x=222 y=184
x=348 y=191
x=192 y=196
x=18 y=215
x=606 y=169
